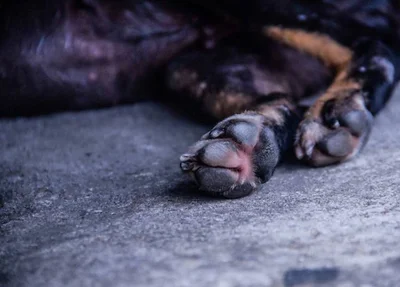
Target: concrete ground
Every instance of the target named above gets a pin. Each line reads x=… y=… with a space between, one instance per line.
x=96 y=198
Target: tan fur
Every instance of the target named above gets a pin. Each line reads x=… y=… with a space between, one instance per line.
x=331 y=53
x=272 y=113
x=273 y=110
x=186 y=79
x=323 y=47
x=337 y=90
x=226 y=103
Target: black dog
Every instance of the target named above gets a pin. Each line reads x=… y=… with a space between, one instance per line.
x=247 y=63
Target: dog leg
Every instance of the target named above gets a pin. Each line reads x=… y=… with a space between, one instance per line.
x=337 y=126
x=243 y=150
x=258 y=124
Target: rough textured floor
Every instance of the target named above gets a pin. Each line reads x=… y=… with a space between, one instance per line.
x=97 y=199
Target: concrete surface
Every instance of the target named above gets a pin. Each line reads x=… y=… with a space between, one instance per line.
x=96 y=199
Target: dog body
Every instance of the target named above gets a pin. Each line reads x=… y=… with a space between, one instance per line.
x=228 y=59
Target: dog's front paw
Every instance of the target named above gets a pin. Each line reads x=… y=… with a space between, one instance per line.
x=337 y=134
x=233 y=158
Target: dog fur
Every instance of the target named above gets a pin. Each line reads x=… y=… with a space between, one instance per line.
x=244 y=64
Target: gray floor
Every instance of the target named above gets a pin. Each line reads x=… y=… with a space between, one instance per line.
x=96 y=199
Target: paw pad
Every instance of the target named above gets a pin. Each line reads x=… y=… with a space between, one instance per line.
x=234 y=157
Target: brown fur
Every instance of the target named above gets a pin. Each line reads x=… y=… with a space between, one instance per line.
x=334 y=55
x=323 y=47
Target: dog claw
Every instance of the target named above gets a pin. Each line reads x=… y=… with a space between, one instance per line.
x=309 y=148
x=299 y=152
x=187 y=157
x=216 y=133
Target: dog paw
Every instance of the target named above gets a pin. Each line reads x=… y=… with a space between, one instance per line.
x=234 y=157
x=338 y=134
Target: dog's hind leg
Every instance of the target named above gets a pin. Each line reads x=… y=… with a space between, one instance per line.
x=337 y=125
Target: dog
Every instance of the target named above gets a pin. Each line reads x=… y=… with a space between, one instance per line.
x=246 y=65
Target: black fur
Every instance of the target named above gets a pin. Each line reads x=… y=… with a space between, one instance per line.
x=76 y=54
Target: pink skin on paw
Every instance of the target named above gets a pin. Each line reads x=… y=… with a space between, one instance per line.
x=245 y=168
x=228 y=155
